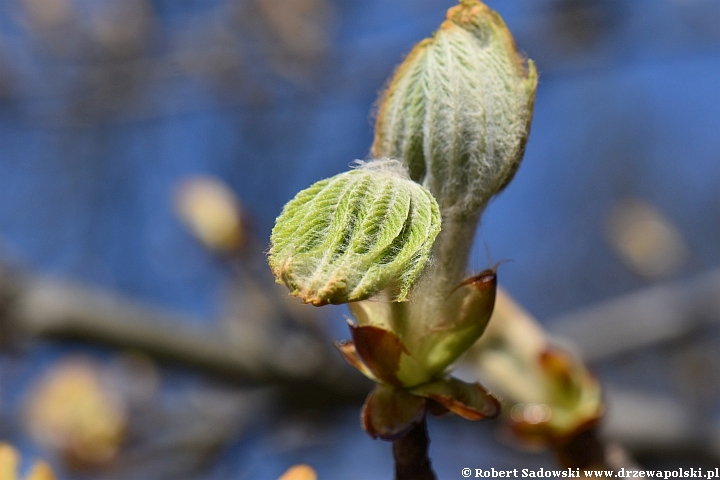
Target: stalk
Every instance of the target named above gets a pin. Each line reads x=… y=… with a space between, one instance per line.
x=411 y=455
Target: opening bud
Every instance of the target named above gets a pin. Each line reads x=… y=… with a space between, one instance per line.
x=348 y=237
x=457 y=111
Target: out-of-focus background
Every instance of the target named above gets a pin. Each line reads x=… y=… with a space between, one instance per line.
x=146 y=147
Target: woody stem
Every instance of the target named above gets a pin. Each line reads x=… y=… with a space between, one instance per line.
x=411 y=455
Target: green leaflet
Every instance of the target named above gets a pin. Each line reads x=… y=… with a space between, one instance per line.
x=348 y=237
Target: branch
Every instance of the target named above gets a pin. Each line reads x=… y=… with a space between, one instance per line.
x=298 y=358
x=644 y=422
x=648 y=317
x=411 y=455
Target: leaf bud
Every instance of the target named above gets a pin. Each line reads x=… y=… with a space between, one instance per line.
x=348 y=237
x=457 y=111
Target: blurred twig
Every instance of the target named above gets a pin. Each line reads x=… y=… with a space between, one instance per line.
x=643 y=422
x=296 y=358
x=107 y=64
x=641 y=319
x=655 y=316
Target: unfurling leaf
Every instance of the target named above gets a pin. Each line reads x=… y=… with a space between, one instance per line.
x=350 y=236
x=457 y=111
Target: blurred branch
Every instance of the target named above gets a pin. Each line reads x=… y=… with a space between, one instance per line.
x=644 y=422
x=641 y=319
x=125 y=90
x=641 y=421
x=299 y=358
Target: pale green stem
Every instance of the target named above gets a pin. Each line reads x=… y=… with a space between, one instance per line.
x=451 y=253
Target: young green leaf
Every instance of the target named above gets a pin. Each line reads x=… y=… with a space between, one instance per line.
x=348 y=237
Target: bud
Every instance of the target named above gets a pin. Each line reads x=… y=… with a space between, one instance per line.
x=408 y=355
x=550 y=395
x=348 y=237
x=457 y=111
x=300 y=472
x=72 y=411
x=10 y=465
x=212 y=212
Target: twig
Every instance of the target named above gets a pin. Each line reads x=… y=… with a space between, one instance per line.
x=587 y=451
x=642 y=319
x=583 y=450
x=644 y=422
x=411 y=455
x=296 y=358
